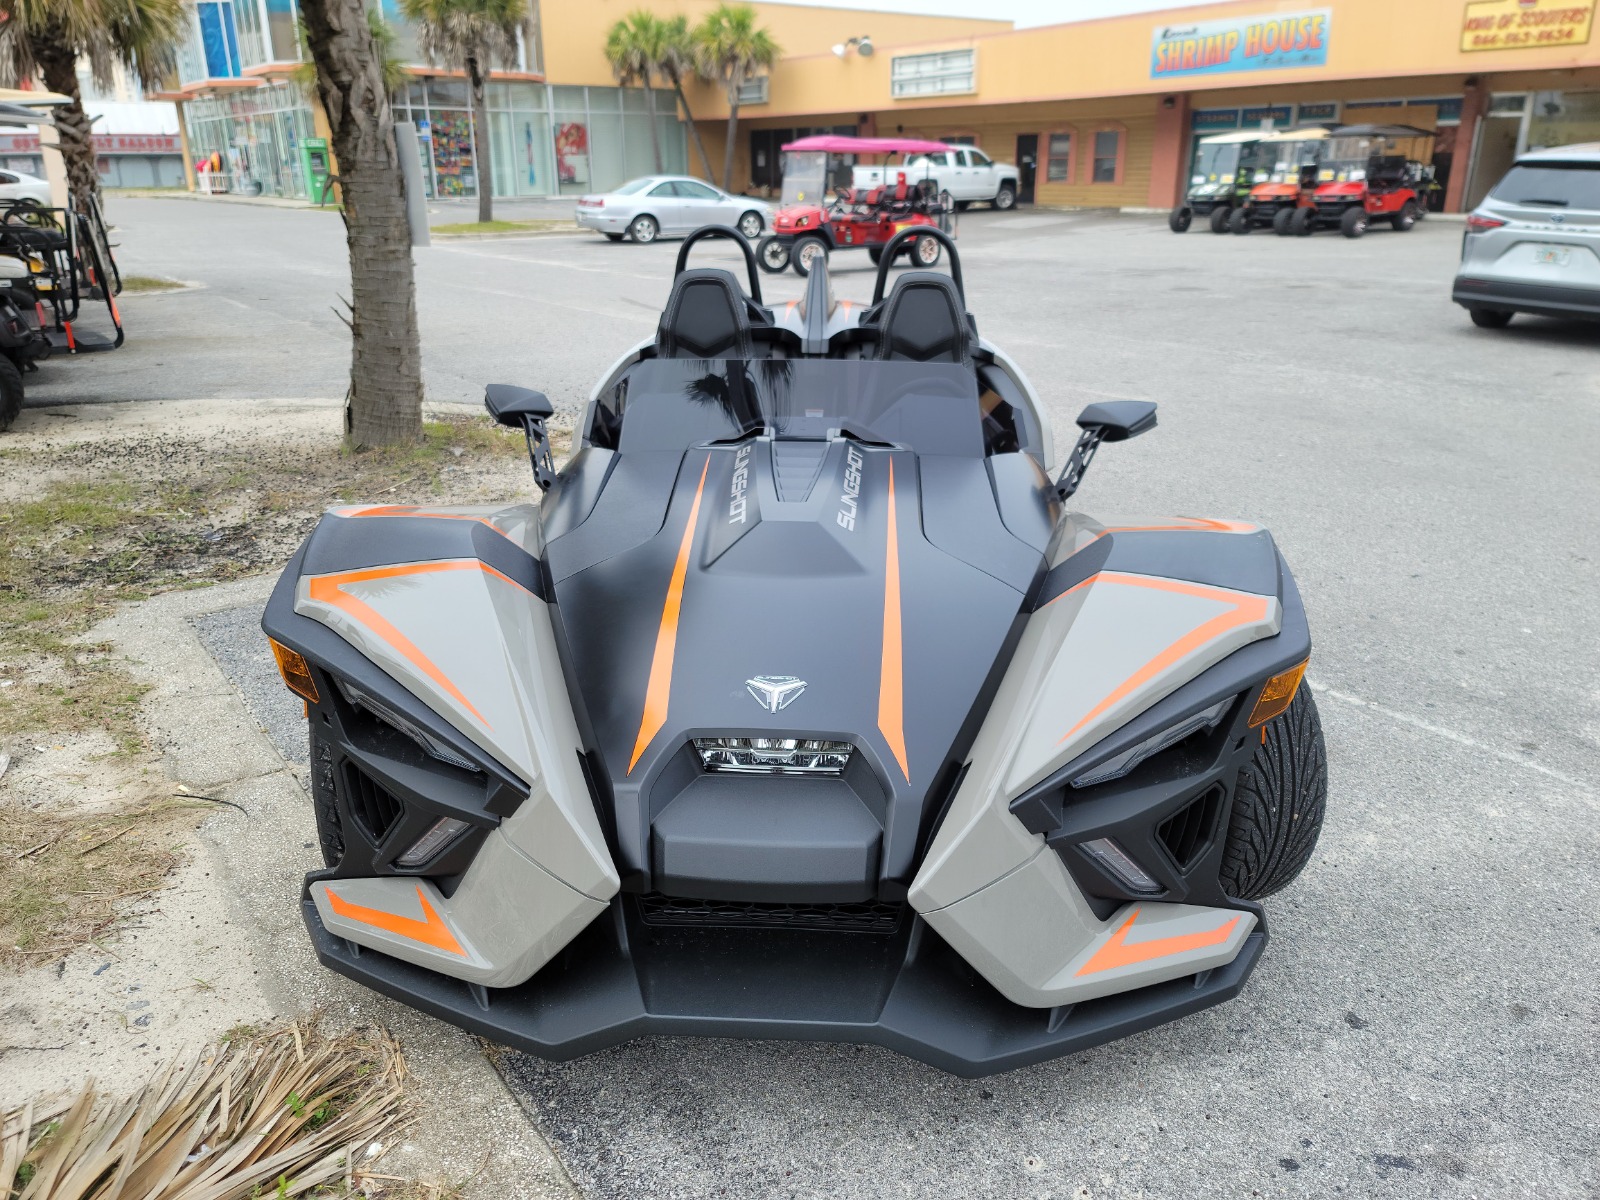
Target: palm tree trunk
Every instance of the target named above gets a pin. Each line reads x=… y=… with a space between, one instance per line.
x=734 y=86
x=480 y=142
x=58 y=65
x=384 y=404
x=694 y=130
x=655 y=134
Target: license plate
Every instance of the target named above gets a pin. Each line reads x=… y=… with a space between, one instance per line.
x=1555 y=256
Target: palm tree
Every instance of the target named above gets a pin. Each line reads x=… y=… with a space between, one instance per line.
x=635 y=47
x=732 y=48
x=51 y=36
x=473 y=33
x=678 y=61
x=384 y=403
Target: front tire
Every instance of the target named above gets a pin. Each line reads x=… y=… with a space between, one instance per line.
x=1405 y=218
x=1005 y=198
x=772 y=253
x=644 y=230
x=1483 y=318
x=1220 y=216
x=1354 y=222
x=1180 y=218
x=875 y=253
x=807 y=251
x=1282 y=220
x=1239 y=222
x=926 y=252
x=10 y=393
x=1278 y=805
x=1303 y=222
x=751 y=225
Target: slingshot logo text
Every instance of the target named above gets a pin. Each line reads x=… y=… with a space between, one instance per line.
x=850 y=499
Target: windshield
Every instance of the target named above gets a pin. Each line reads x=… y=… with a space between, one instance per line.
x=632 y=186
x=1345 y=160
x=675 y=403
x=1286 y=159
x=1551 y=185
x=1217 y=163
x=805 y=175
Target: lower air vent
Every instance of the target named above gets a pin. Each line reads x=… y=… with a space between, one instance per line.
x=1187 y=833
x=849 y=918
x=374 y=809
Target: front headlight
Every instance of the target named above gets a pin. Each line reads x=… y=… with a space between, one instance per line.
x=1116 y=768
x=395 y=721
x=773 y=756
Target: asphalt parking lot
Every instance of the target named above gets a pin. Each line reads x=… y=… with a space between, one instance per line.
x=1424 y=1022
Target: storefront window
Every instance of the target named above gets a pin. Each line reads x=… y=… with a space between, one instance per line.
x=252 y=43
x=572 y=155
x=1058 y=165
x=1106 y=143
x=1562 y=118
x=454 y=173
x=282 y=18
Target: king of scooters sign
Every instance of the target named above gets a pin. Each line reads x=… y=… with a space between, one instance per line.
x=1281 y=41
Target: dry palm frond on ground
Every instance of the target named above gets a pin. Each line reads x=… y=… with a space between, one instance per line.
x=268 y=1116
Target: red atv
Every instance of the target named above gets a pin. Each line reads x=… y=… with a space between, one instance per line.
x=857 y=217
x=1374 y=173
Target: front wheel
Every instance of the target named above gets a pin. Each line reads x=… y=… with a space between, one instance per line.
x=1219 y=218
x=1303 y=222
x=751 y=225
x=772 y=254
x=925 y=252
x=1005 y=198
x=10 y=393
x=1239 y=222
x=1282 y=219
x=875 y=253
x=1278 y=804
x=1405 y=218
x=808 y=251
x=1483 y=318
x=1180 y=218
x=644 y=230
x=1354 y=222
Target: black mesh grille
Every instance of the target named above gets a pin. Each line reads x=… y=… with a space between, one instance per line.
x=374 y=809
x=1187 y=833
x=872 y=917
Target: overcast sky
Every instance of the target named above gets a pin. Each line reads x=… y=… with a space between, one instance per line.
x=1023 y=12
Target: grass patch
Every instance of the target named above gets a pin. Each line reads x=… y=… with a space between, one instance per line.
x=134 y=284
x=541 y=226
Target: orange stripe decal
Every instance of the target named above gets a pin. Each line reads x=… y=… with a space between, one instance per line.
x=1190 y=525
x=1119 y=952
x=891 y=679
x=659 y=690
x=408 y=510
x=430 y=930
x=1244 y=608
x=329 y=590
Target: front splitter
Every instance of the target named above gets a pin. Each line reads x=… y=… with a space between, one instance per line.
x=910 y=993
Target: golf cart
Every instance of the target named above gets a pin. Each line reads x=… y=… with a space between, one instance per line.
x=1374 y=173
x=857 y=217
x=1224 y=171
x=1286 y=176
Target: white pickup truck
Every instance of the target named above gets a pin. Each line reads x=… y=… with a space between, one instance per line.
x=967 y=173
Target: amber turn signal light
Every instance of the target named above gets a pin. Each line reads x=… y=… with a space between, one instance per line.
x=296 y=673
x=1275 y=697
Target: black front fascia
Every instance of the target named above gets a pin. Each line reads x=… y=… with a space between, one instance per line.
x=621 y=979
x=786 y=587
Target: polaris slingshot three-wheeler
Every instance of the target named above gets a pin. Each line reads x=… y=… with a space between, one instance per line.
x=804 y=706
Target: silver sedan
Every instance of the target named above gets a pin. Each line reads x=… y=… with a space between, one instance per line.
x=669 y=205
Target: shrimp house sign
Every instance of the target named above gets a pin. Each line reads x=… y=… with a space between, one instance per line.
x=1281 y=41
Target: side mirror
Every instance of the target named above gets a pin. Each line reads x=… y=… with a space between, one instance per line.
x=1119 y=420
x=513 y=406
x=1110 y=421
x=525 y=409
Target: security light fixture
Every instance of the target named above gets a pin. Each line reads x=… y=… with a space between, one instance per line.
x=861 y=45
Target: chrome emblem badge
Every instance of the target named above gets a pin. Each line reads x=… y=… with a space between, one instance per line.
x=774 y=692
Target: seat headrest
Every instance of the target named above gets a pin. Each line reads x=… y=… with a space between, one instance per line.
x=707 y=316
x=923 y=321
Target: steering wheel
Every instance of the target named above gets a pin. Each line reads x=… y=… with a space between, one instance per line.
x=722 y=231
x=911 y=233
